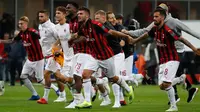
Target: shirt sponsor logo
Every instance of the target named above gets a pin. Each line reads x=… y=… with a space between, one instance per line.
x=26 y=44
x=160 y=44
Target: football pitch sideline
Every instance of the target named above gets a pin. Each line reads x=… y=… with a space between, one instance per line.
x=147 y=99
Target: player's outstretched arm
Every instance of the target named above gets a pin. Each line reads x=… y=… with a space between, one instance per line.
x=139 y=32
x=6 y=41
x=187 y=43
x=120 y=35
x=186 y=29
x=144 y=36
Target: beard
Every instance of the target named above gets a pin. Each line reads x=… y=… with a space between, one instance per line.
x=157 y=23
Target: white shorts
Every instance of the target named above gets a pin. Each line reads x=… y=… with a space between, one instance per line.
x=167 y=71
x=119 y=63
x=108 y=66
x=53 y=66
x=128 y=66
x=33 y=66
x=79 y=62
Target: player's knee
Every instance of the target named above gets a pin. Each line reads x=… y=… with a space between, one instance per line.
x=165 y=85
x=87 y=74
x=70 y=80
x=23 y=76
x=114 y=79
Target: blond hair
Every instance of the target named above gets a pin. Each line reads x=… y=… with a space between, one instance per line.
x=24 y=18
x=101 y=12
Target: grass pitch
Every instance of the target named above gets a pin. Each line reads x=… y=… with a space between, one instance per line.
x=147 y=99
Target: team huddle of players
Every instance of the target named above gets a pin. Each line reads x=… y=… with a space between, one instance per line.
x=85 y=53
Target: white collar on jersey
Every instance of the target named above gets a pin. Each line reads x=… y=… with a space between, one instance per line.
x=45 y=24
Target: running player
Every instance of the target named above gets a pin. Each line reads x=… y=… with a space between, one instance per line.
x=169 y=60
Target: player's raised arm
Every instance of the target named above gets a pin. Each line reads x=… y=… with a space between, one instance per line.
x=187 y=43
x=186 y=29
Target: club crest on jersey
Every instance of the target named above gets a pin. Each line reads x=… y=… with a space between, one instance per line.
x=90 y=30
x=26 y=44
x=75 y=24
x=163 y=36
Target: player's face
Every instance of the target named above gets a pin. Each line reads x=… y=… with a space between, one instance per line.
x=60 y=15
x=42 y=18
x=100 y=18
x=71 y=10
x=119 y=21
x=112 y=19
x=82 y=16
x=22 y=25
x=158 y=18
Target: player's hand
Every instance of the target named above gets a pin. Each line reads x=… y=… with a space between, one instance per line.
x=197 y=51
x=57 y=54
x=122 y=43
x=131 y=40
x=124 y=31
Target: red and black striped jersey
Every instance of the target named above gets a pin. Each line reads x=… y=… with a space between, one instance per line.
x=30 y=39
x=80 y=47
x=95 y=34
x=165 y=44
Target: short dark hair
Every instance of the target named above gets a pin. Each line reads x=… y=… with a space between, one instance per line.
x=162 y=11
x=84 y=9
x=109 y=12
x=61 y=9
x=74 y=4
x=44 y=11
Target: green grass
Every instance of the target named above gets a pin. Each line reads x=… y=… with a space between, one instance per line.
x=147 y=99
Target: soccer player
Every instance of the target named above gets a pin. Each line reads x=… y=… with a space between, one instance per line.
x=48 y=36
x=35 y=61
x=82 y=54
x=169 y=60
x=177 y=27
x=100 y=16
x=64 y=35
x=126 y=66
x=95 y=36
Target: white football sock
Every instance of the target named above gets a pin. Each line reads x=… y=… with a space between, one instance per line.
x=121 y=95
x=46 y=93
x=116 y=92
x=55 y=88
x=171 y=95
x=63 y=94
x=87 y=89
x=92 y=91
x=29 y=85
x=121 y=82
